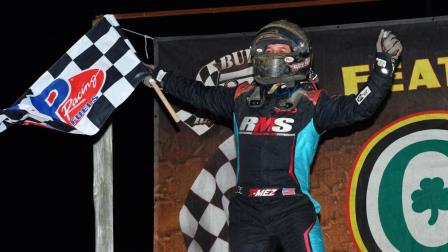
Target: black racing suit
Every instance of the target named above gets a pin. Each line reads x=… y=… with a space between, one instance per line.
x=275 y=148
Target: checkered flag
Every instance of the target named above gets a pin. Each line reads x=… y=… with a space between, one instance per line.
x=208 y=75
x=80 y=91
x=204 y=217
x=213 y=75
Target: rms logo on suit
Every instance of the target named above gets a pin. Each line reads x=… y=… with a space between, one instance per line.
x=274 y=126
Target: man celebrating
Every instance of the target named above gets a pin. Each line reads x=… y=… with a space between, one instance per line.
x=278 y=120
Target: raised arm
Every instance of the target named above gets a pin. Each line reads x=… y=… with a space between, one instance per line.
x=218 y=100
x=339 y=111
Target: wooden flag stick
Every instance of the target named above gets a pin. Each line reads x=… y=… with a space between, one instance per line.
x=150 y=82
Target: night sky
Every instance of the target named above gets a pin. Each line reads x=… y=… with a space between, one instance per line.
x=47 y=176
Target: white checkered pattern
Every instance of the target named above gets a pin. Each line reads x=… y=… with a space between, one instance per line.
x=204 y=216
x=208 y=75
x=212 y=75
x=103 y=47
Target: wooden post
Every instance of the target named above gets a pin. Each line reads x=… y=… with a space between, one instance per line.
x=103 y=189
x=103 y=192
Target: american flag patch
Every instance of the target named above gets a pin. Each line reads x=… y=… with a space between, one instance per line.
x=288 y=191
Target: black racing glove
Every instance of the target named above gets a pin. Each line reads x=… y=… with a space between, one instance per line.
x=155 y=73
x=388 y=49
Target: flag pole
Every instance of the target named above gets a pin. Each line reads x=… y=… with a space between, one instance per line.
x=150 y=82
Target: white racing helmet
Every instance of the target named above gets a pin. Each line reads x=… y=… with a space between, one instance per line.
x=270 y=68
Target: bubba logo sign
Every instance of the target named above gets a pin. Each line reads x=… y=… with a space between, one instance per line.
x=398 y=194
x=266 y=126
x=69 y=101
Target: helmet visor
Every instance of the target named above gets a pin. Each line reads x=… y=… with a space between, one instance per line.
x=271 y=68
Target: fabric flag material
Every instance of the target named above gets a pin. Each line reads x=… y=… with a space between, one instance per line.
x=204 y=217
x=81 y=90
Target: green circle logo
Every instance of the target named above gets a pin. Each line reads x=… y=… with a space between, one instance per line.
x=398 y=195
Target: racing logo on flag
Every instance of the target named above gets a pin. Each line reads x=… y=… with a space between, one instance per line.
x=398 y=194
x=79 y=92
x=70 y=100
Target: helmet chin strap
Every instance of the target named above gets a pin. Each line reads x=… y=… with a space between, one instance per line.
x=258 y=96
x=273 y=88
